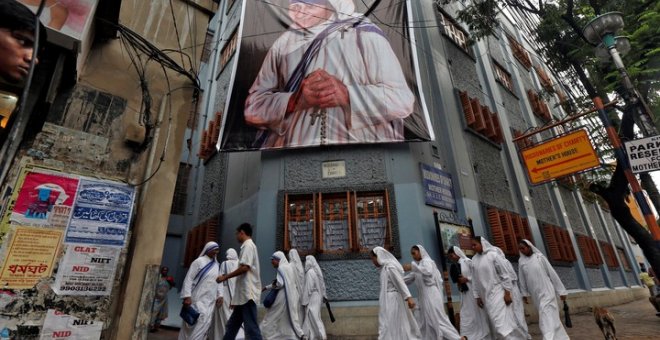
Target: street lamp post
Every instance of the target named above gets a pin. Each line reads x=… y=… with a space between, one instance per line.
x=601 y=31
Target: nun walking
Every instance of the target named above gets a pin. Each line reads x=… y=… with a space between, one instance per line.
x=201 y=291
x=226 y=291
x=296 y=263
x=434 y=323
x=474 y=321
x=493 y=288
x=540 y=281
x=395 y=317
x=281 y=321
x=312 y=300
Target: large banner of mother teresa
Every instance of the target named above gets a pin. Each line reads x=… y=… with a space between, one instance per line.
x=324 y=72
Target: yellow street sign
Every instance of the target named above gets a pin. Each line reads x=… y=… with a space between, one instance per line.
x=559 y=157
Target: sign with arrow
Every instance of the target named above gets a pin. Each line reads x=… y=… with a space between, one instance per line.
x=559 y=157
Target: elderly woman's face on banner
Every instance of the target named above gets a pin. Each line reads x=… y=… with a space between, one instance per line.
x=308 y=15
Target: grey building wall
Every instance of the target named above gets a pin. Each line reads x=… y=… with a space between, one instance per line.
x=568 y=276
x=617 y=278
x=543 y=204
x=572 y=210
x=596 y=277
x=595 y=221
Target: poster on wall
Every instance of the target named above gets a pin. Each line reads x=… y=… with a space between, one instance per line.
x=69 y=18
x=30 y=257
x=457 y=235
x=101 y=213
x=321 y=73
x=86 y=270
x=45 y=198
x=63 y=326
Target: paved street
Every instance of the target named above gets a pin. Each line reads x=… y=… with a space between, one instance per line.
x=633 y=321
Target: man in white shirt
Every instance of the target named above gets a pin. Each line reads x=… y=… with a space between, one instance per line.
x=248 y=288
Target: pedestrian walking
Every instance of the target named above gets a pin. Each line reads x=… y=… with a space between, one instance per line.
x=424 y=273
x=226 y=291
x=248 y=288
x=312 y=300
x=200 y=292
x=159 y=308
x=281 y=320
x=540 y=281
x=395 y=317
x=493 y=286
x=474 y=320
x=299 y=270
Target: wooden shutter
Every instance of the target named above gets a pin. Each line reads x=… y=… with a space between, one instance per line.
x=497 y=127
x=509 y=234
x=585 y=249
x=554 y=249
x=470 y=119
x=490 y=129
x=493 y=215
x=480 y=123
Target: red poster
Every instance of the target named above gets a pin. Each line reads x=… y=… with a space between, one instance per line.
x=44 y=199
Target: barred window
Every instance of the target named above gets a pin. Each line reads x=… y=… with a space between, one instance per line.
x=341 y=222
x=452 y=30
x=180 y=190
x=228 y=49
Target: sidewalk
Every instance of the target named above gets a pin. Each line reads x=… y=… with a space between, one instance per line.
x=633 y=321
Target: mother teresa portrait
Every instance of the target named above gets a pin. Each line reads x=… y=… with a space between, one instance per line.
x=331 y=77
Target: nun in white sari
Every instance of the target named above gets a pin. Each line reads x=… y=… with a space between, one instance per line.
x=312 y=300
x=433 y=323
x=225 y=293
x=201 y=291
x=518 y=307
x=299 y=270
x=395 y=317
x=540 y=281
x=493 y=286
x=474 y=321
x=281 y=321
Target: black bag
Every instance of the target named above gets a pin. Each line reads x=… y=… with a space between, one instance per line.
x=189 y=314
x=270 y=297
x=455 y=273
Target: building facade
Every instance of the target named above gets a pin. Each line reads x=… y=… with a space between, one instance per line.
x=336 y=202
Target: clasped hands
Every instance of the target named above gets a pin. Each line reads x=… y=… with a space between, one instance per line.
x=322 y=90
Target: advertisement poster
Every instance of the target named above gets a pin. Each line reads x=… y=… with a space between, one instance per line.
x=438 y=187
x=62 y=326
x=30 y=257
x=67 y=17
x=457 y=235
x=323 y=73
x=45 y=198
x=86 y=270
x=101 y=213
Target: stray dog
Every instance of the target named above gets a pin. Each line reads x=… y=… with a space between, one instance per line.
x=605 y=322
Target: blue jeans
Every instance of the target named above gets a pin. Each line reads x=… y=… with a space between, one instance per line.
x=243 y=315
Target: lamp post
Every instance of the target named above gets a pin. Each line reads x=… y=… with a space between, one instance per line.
x=600 y=31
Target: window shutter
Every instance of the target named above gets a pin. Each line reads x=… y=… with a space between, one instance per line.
x=496 y=229
x=470 y=119
x=479 y=123
x=490 y=129
x=552 y=243
x=509 y=234
x=497 y=127
x=585 y=249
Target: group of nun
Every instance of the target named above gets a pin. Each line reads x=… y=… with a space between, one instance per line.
x=491 y=300
x=294 y=314
x=493 y=293
x=296 y=310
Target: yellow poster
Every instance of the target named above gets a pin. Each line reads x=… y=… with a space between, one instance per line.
x=30 y=257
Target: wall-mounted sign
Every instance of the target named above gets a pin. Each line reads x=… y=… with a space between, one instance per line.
x=438 y=187
x=644 y=154
x=559 y=157
x=334 y=169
